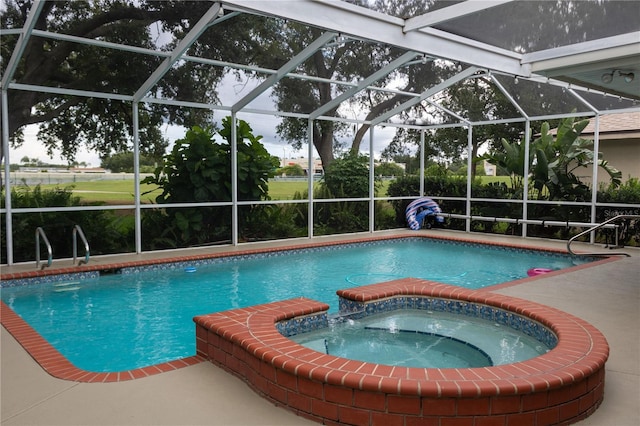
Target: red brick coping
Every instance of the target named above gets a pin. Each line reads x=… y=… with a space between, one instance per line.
x=560 y=387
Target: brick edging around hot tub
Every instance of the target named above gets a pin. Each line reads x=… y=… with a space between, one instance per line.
x=560 y=387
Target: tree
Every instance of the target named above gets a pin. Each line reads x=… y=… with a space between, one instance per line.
x=292 y=170
x=123 y=162
x=105 y=125
x=346 y=60
x=389 y=169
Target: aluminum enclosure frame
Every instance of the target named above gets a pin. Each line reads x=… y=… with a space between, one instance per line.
x=341 y=19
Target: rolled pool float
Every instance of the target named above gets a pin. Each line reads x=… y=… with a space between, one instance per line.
x=538 y=271
x=418 y=209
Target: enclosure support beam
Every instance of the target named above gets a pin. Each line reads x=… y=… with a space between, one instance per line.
x=372 y=188
x=462 y=75
x=594 y=178
x=390 y=67
x=507 y=95
x=7 y=176
x=422 y=194
x=310 y=179
x=284 y=70
x=197 y=30
x=363 y=23
x=9 y=72
x=234 y=180
x=469 y=174
x=21 y=45
x=448 y=111
x=448 y=13
x=525 y=189
x=136 y=178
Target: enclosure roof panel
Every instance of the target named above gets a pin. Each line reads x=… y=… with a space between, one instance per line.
x=578 y=42
x=576 y=46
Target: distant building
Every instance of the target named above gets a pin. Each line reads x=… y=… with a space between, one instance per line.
x=61 y=169
x=304 y=163
x=88 y=170
x=489 y=169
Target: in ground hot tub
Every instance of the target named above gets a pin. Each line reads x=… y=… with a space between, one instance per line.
x=560 y=386
x=426 y=338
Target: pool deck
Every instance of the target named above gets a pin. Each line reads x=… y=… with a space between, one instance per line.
x=607 y=296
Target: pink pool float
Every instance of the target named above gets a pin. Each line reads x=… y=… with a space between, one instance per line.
x=538 y=271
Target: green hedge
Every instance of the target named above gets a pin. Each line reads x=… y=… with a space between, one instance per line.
x=455 y=186
x=112 y=231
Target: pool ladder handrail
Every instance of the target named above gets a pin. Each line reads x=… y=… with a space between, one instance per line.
x=600 y=225
x=40 y=233
x=78 y=231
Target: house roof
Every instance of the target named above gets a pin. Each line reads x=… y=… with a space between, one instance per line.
x=615 y=124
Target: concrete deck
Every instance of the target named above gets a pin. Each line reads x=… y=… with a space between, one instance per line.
x=607 y=296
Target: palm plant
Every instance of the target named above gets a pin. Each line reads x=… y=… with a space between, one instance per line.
x=558 y=158
x=554 y=161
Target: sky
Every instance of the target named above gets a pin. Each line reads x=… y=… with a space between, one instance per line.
x=230 y=90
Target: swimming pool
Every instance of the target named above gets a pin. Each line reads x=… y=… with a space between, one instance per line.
x=143 y=316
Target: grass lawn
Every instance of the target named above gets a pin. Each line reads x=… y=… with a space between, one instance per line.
x=121 y=191
x=285 y=190
x=108 y=191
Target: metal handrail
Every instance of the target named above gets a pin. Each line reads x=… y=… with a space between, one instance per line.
x=40 y=232
x=600 y=225
x=78 y=231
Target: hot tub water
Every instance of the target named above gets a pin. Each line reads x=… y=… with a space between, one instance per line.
x=416 y=338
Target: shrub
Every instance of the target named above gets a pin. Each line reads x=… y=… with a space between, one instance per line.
x=198 y=169
x=434 y=187
x=105 y=231
x=291 y=170
x=628 y=193
x=389 y=169
x=348 y=177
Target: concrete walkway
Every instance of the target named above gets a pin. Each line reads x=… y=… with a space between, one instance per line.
x=607 y=296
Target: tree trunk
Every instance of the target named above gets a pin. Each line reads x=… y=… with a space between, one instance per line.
x=474 y=155
x=323 y=142
x=375 y=111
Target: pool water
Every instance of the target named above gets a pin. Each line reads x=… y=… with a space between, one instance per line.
x=412 y=338
x=140 y=318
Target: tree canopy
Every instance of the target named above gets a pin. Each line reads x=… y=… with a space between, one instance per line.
x=105 y=125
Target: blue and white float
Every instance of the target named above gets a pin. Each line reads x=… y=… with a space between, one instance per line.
x=419 y=209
